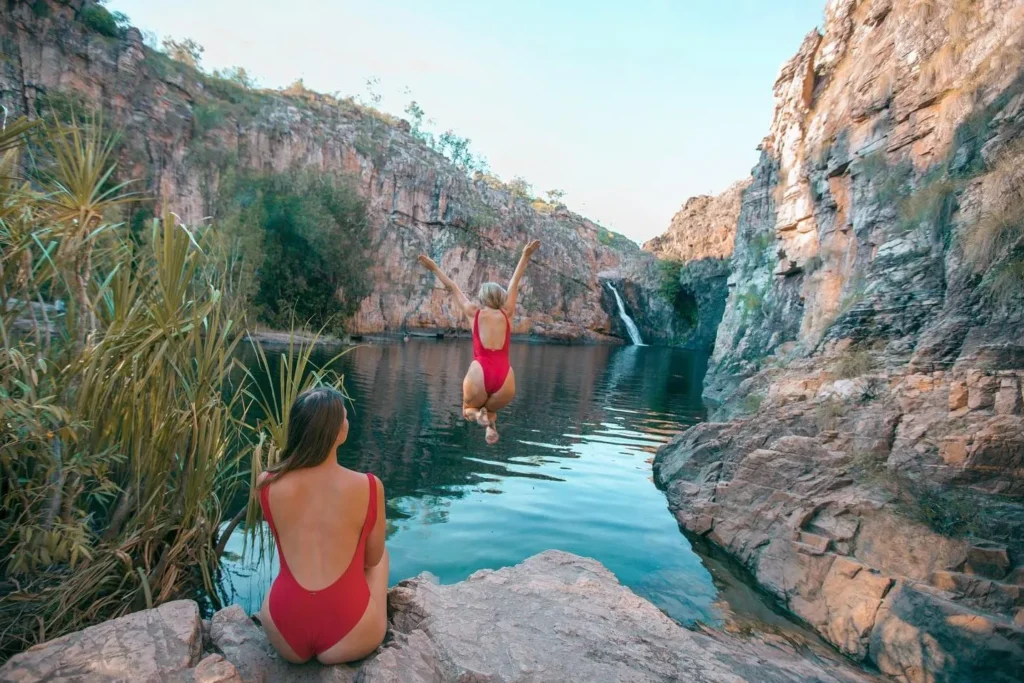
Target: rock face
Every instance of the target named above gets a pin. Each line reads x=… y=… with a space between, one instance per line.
x=704 y=228
x=555 y=617
x=695 y=251
x=866 y=458
x=182 y=131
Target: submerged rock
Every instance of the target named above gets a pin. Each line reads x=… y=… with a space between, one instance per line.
x=555 y=617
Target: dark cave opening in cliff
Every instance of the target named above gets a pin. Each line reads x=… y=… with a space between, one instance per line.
x=685 y=305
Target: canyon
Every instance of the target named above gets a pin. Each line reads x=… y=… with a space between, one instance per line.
x=865 y=451
x=864 y=456
x=181 y=131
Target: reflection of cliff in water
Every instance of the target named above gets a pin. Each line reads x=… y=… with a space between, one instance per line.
x=407 y=426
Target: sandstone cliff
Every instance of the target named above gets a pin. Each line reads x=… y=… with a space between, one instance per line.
x=866 y=462
x=705 y=227
x=182 y=130
x=694 y=255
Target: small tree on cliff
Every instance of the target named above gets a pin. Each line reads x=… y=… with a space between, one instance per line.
x=186 y=51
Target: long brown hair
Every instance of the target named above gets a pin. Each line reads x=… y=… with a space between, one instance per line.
x=313 y=425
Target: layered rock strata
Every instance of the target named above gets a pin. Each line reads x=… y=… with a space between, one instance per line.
x=866 y=460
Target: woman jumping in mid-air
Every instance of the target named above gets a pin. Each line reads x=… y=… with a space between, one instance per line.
x=490 y=384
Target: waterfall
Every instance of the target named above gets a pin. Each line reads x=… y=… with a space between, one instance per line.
x=634 y=333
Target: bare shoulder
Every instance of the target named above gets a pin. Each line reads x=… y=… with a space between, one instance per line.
x=262 y=477
x=471 y=309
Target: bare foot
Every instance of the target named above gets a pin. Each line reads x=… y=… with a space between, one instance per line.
x=482 y=418
x=491 y=436
x=471 y=414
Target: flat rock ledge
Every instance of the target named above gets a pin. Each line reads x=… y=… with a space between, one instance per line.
x=555 y=617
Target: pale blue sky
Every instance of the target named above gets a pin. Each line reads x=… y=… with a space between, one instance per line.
x=630 y=106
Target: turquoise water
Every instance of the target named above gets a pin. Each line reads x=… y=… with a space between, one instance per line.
x=572 y=470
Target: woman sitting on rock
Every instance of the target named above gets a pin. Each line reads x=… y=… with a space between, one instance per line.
x=490 y=383
x=329 y=600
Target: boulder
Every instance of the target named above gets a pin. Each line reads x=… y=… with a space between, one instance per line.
x=560 y=617
x=152 y=645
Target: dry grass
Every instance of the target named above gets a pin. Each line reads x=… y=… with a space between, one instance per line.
x=853 y=363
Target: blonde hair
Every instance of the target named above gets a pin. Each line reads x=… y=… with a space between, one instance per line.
x=492 y=295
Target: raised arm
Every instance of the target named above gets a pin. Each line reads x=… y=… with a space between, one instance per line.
x=468 y=307
x=513 y=285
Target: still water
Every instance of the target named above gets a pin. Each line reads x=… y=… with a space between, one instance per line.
x=572 y=470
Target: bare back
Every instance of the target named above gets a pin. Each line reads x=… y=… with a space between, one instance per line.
x=492 y=326
x=318 y=515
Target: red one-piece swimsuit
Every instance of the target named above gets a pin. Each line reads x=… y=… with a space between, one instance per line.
x=313 y=621
x=493 y=361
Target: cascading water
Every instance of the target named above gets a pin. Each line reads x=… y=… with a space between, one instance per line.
x=634 y=333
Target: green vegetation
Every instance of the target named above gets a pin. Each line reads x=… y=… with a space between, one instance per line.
x=451 y=145
x=751 y=301
x=670 y=285
x=207 y=116
x=117 y=446
x=950 y=512
x=124 y=416
x=99 y=19
x=302 y=243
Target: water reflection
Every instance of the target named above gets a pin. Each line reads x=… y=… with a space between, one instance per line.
x=572 y=470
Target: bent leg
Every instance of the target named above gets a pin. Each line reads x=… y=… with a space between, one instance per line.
x=369 y=633
x=474 y=395
x=275 y=637
x=496 y=402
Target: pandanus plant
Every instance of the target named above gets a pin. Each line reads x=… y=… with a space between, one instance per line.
x=122 y=433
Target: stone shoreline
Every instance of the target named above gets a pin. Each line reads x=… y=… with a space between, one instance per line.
x=554 y=617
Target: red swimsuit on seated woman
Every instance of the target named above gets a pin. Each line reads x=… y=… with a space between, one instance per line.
x=329 y=600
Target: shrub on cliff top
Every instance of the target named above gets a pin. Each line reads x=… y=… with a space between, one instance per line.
x=99 y=19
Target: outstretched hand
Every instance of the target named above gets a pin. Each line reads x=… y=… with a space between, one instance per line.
x=531 y=248
x=427 y=262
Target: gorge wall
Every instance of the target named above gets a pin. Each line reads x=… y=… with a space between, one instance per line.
x=183 y=130
x=866 y=457
x=694 y=258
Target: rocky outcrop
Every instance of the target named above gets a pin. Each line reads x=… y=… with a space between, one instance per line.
x=555 y=617
x=182 y=131
x=704 y=228
x=694 y=255
x=866 y=457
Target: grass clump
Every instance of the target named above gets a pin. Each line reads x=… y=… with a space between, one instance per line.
x=994 y=245
x=854 y=363
x=950 y=512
